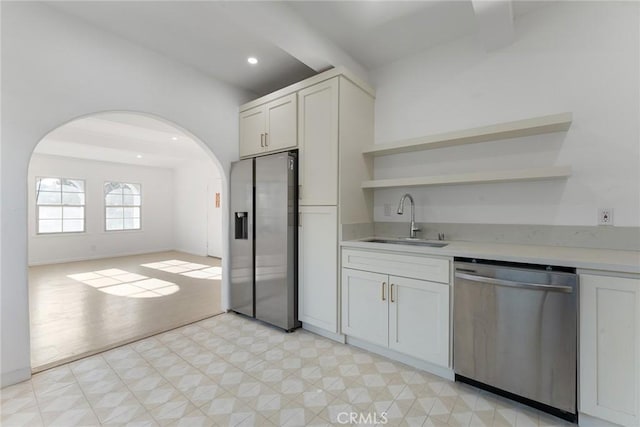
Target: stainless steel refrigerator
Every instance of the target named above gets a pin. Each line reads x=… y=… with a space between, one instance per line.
x=264 y=239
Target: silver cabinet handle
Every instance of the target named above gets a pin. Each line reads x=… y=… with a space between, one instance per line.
x=262 y=140
x=266 y=139
x=383 y=285
x=391 y=293
x=512 y=284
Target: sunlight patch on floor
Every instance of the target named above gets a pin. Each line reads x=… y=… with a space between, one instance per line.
x=122 y=283
x=185 y=268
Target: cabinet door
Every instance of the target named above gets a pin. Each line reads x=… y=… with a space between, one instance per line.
x=282 y=123
x=419 y=319
x=365 y=312
x=318 y=133
x=252 y=125
x=318 y=267
x=610 y=348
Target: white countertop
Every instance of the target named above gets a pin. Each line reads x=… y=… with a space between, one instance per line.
x=594 y=259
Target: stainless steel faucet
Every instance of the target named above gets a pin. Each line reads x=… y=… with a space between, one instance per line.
x=412 y=225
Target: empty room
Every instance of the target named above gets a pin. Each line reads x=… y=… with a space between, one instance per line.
x=124 y=235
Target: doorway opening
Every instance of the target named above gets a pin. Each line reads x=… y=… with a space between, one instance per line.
x=125 y=234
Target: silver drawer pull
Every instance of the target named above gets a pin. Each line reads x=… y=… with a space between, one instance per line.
x=512 y=284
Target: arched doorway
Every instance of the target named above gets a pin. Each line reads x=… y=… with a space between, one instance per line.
x=125 y=234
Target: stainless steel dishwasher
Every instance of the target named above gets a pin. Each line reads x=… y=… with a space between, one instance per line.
x=515 y=332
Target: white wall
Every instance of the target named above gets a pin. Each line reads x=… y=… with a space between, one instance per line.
x=571 y=56
x=191 y=193
x=157 y=211
x=54 y=69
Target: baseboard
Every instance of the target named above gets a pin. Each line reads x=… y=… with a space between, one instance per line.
x=90 y=258
x=324 y=333
x=190 y=252
x=585 y=420
x=14 y=377
x=440 y=371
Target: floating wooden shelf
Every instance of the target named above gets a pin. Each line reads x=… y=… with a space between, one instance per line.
x=527 y=127
x=535 y=174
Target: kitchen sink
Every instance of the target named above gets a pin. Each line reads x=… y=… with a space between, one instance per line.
x=406 y=241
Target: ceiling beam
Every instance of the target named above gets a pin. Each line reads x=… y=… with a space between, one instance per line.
x=280 y=25
x=495 y=22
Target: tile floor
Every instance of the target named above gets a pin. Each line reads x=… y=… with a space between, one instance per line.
x=231 y=371
x=80 y=308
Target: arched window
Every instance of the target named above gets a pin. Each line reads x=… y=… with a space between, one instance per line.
x=122 y=203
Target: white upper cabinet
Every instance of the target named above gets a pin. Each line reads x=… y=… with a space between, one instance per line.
x=610 y=348
x=318 y=142
x=252 y=128
x=269 y=127
x=281 y=131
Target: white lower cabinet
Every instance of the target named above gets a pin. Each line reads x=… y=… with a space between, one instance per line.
x=610 y=348
x=419 y=319
x=318 y=267
x=406 y=315
x=365 y=314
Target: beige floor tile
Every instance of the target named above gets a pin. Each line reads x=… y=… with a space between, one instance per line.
x=158 y=396
x=319 y=422
x=76 y=416
x=193 y=376
x=482 y=418
x=269 y=405
x=196 y=418
x=142 y=420
x=172 y=411
x=435 y=422
x=398 y=409
x=294 y=413
x=227 y=409
x=26 y=417
x=314 y=400
x=17 y=401
x=334 y=409
x=204 y=393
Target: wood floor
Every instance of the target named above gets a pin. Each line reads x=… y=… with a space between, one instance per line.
x=81 y=308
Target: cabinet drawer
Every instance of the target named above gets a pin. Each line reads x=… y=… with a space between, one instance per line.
x=414 y=266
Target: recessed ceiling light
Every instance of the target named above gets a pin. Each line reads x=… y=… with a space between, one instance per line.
x=139 y=156
x=174 y=138
x=252 y=60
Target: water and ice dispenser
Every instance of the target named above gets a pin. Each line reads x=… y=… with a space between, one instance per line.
x=241 y=220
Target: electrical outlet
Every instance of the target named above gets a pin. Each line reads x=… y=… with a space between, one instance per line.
x=387 y=209
x=605 y=216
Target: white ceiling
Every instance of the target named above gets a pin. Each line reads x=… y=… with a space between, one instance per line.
x=375 y=33
x=201 y=34
x=216 y=37
x=121 y=138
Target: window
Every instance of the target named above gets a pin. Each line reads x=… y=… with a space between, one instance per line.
x=59 y=205
x=122 y=206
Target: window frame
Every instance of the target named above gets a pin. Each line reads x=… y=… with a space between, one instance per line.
x=104 y=201
x=61 y=205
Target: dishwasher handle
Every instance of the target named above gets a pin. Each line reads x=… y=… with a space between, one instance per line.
x=512 y=284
